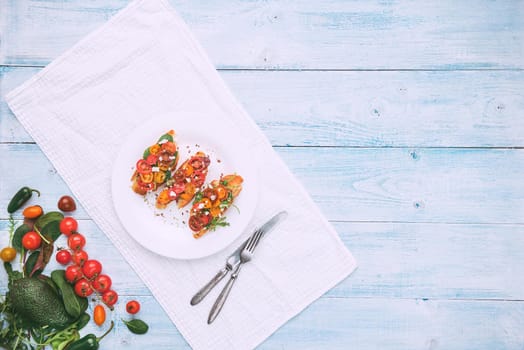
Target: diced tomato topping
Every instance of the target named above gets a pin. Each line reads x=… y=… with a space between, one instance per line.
x=205 y=219
x=169 y=147
x=142 y=167
x=152 y=159
x=195 y=224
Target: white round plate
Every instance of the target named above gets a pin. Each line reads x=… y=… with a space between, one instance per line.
x=165 y=231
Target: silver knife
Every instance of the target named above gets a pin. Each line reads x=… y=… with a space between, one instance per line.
x=262 y=231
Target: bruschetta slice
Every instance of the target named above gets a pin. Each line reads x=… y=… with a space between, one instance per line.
x=157 y=164
x=185 y=182
x=210 y=204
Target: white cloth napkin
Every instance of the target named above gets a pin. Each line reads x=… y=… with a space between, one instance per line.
x=141 y=63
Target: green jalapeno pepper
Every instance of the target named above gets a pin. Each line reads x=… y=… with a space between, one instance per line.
x=89 y=342
x=20 y=198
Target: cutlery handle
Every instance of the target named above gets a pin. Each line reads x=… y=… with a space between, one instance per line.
x=219 y=303
x=201 y=294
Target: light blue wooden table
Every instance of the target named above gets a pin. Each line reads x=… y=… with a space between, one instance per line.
x=403 y=119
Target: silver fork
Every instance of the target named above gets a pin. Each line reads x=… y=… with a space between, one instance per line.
x=245 y=255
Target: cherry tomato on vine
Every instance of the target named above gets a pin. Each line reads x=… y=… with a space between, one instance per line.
x=73 y=273
x=79 y=257
x=31 y=240
x=68 y=226
x=132 y=307
x=102 y=283
x=63 y=256
x=76 y=241
x=91 y=268
x=110 y=297
x=83 y=288
x=8 y=254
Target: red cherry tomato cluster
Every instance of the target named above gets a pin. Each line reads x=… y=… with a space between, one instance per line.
x=81 y=271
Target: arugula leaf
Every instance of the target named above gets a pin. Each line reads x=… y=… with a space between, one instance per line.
x=226 y=202
x=217 y=222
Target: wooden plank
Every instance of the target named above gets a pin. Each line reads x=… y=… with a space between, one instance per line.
x=362 y=109
x=435 y=261
x=412 y=185
x=403 y=324
x=303 y=34
x=415 y=261
x=360 y=184
x=24 y=163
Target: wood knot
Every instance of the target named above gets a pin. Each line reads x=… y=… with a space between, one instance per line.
x=418 y=204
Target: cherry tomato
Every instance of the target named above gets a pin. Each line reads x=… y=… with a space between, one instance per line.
x=210 y=193
x=102 y=283
x=63 y=257
x=79 y=257
x=196 y=163
x=99 y=315
x=91 y=268
x=221 y=192
x=32 y=212
x=8 y=254
x=205 y=203
x=198 y=178
x=195 y=224
x=31 y=240
x=142 y=167
x=68 y=226
x=110 y=297
x=151 y=159
x=169 y=147
x=66 y=203
x=205 y=219
x=73 y=273
x=76 y=241
x=132 y=307
x=83 y=288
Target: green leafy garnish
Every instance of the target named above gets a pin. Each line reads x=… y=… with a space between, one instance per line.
x=146 y=154
x=226 y=203
x=198 y=196
x=217 y=222
x=167 y=137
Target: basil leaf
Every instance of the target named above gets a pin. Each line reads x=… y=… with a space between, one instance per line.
x=51 y=230
x=31 y=263
x=136 y=326
x=17 y=237
x=168 y=137
x=146 y=154
x=47 y=218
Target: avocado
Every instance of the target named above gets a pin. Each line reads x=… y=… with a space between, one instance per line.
x=38 y=303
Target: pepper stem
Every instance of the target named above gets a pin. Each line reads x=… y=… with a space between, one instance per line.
x=107 y=332
x=37 y=191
